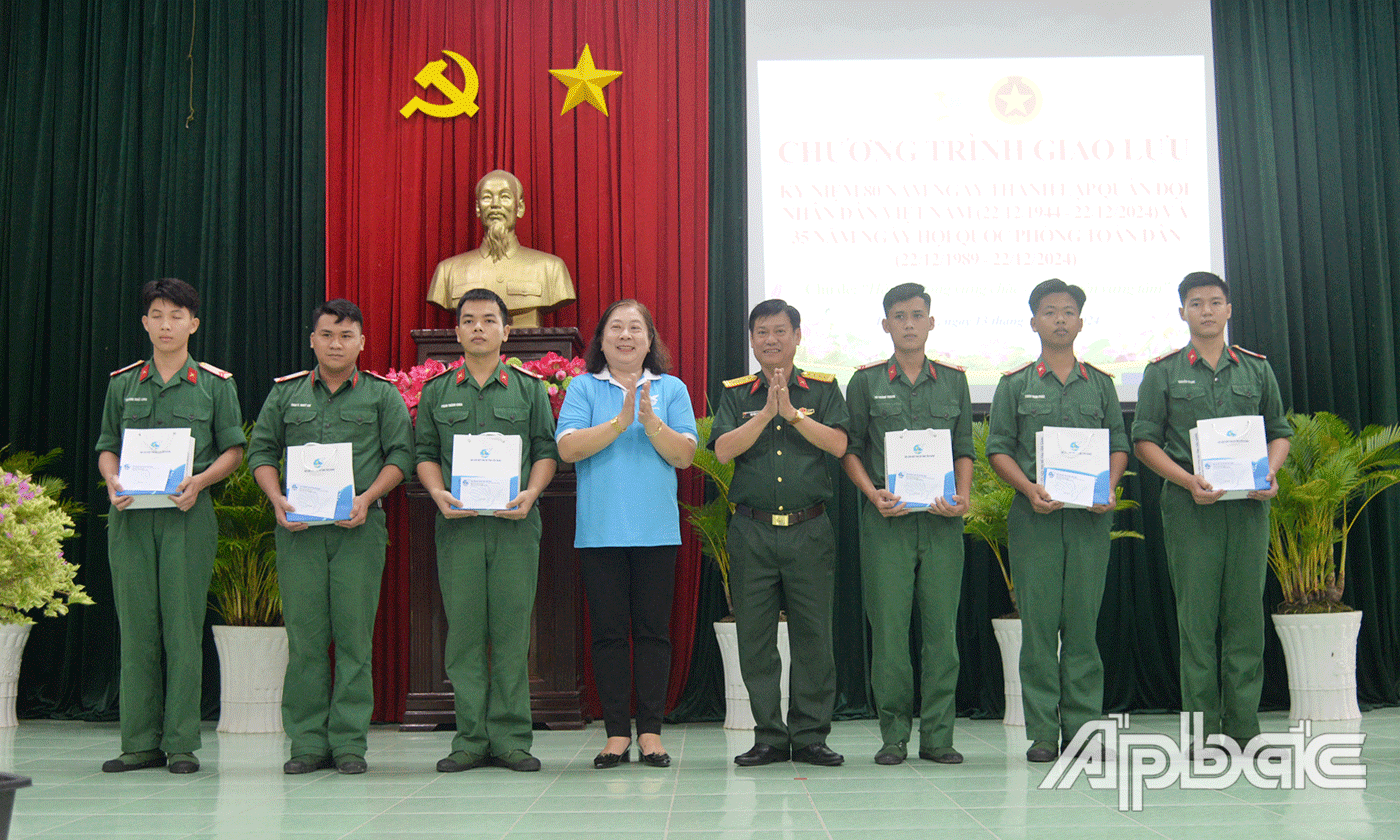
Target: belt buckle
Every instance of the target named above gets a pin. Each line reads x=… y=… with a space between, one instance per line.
x=781 y=520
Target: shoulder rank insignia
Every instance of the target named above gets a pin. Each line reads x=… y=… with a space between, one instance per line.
x=1249 y=352
x=949 y=365
x=526 y=372
x=1164 y=357
x=875 y=364
x=819 y=376
x=1017 y=370
x=447 y=371
x=740 y=380
x=377 y=375
x=219 y=372
x=289 y=377
x=127 y=368
x=1099 y=369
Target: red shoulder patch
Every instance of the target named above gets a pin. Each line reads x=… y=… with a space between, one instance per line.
x=880 y=363
x=1164 y=357
x=127 y=368
x=1017 y=370
x=1249 y=352
x=219 y=372
x=377 y=375
x=289 y=377
x=526 y=372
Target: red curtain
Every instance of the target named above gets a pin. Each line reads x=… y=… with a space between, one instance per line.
x=621 y=198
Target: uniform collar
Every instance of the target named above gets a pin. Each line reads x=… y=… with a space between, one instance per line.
x=892 y=370
x=1192 y=356
x=796 y=379
x=606 y=376
x=1041 y=369
x=191 y=374
x=316 y=377
x=502 y=374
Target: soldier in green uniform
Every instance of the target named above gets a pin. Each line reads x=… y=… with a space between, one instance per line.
x=908 y=560
x=329 y=576
x=778 y=427
x=1216 y=551
x=488 y=566
x=1059 y=556
x=162 y=558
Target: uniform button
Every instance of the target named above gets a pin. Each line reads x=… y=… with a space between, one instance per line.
x=778 y=428
x=160 y=422
x=780 y=479
x=780 y=451
x=780 y=507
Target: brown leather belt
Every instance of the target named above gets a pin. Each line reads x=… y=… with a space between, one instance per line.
x=782 y=520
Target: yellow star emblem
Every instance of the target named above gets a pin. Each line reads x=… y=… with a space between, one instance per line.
x=585 y=83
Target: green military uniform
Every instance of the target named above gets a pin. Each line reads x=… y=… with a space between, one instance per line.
x=1217 y=553
x=329 y=576
x=488 y=567
x=1059 y=560
x=911 y=559
x=783 y=475
x=161 y=558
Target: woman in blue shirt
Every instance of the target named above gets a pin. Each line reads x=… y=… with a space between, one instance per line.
x=629 y=426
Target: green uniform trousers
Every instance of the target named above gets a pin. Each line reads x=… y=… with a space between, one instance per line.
x=1059 y=562
x=1217 y=557
x=329 y=578
x=908 y=562
x=771 y=566
x=161 y=560
x=488 y=569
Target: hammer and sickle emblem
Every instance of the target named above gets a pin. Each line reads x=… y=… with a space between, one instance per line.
x=460 y=101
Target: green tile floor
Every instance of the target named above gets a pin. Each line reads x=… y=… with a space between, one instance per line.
x=241 y=792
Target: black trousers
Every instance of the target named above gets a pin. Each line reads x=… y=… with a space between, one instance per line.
x=629 y=593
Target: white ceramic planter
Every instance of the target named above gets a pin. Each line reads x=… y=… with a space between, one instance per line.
x=252 y=665
x=1320 y=650
x=12 y=639
x=1008 y=633
x=737 y=712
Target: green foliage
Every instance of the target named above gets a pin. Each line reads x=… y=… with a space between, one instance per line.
x=991 y=504
x=52 y=486
x=710 y=521
x=244 y=585
x=34 y=575
x=1330 y=476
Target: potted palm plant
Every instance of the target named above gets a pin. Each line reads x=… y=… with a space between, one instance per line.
x=34 y=574
x=252 y=643
x=986 y=520
x=1331 y=475
x=710 y=522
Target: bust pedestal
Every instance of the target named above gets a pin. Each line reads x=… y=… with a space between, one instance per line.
x=556 y=632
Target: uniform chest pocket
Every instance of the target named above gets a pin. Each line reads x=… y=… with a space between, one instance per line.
x=453 y=416
x=886 y=408
x=193 y=415
x=1033 y=408
x=135 y=412
x=1244 y=397
x=1092 y=413
x=299 y=416
x=359 y=416
x=515 y=416
x=1186 y=393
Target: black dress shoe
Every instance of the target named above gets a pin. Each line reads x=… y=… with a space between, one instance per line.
x=134 y=761
x=350 y=765
x=459 y=761
x=761 y=754
x=656 y=759
x=818 y=754
x=607 y=760
x=942 y=755
x=306 y=764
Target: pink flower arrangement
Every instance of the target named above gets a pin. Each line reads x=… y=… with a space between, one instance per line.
x=556 y=370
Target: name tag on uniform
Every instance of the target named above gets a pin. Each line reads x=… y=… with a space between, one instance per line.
x=485 y=470
x=320 y=482
x=153 y=464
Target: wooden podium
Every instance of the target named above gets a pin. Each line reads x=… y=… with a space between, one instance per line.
x=555 y=633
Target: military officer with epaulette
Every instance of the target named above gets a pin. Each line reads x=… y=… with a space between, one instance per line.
x=1059 y=556
x=779 y=427
x=329 y=576
x=161 y=558
x=908 y=558
x=1216 y=551
x=487 y=565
